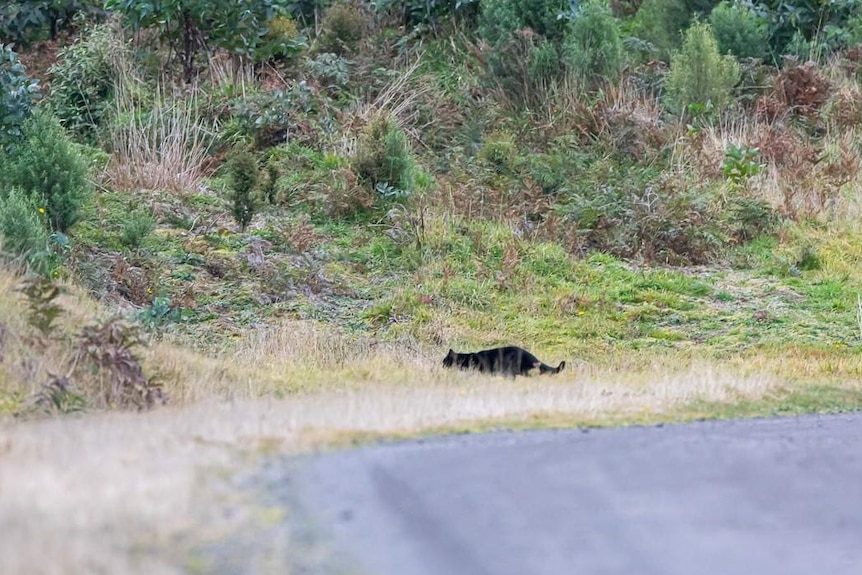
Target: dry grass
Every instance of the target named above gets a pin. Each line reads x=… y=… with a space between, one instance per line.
x=162 y=147
x=123 y=492
x=134 y=493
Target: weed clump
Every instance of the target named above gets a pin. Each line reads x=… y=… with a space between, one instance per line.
x=108 y=348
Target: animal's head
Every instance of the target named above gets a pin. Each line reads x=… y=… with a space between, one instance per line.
x=449 y=359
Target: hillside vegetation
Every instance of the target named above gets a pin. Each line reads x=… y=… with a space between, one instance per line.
x=621 y=185
x=236 y=228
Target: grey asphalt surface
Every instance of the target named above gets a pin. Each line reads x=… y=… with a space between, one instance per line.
x=780 y=496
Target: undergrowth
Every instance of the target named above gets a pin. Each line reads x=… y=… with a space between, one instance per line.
x=510 y=177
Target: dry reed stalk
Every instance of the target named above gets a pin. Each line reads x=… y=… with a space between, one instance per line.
x=161 y=148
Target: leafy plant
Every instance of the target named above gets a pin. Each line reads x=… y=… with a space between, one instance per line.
x=108 y=348
x=806 y=20
x=160 y=312
x=42 y=308
x=500 y=19
x=59 y=396
x=83 y=79
x=740 y=163
x=242 y=170
x=18 y=92
x=24 y=21
x=272 y=116
x=192 y=26
x=699 y=73
x=330 y=70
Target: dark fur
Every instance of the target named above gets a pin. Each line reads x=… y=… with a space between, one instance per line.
x=510 y=360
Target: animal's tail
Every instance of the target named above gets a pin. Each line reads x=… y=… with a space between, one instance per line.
x=548 y=369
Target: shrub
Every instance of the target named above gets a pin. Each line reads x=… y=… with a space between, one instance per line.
x=746 y=218
x=660 y=22
x=739 y=31
x=593 y=49
x=25 y=21
x=636 y=217
x=500 y=153
x=342 y=27
x=523 y=67
x=48 y=169
x=82 y=80
x=740 y=163
x=383 y=156
x=17 y=94
x=270 y=117
x=500 y=19
x=544 y=63
x=282 y=40
x=242 y=173
x=107 y=350
x=191 y=26
x=22 y=231
x=699 y=74
x=138 y=226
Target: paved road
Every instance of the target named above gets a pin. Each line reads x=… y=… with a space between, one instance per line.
x=778 y=496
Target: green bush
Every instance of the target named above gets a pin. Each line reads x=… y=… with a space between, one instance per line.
x=242 y=170
x=660 y=23
x=544 y=63
x=22 y=231
x=499 y=153
x=83 y=80
x=500 y=19
x=592 y=48
x=699 y=74
x=49 y=170
x=522 y=68
x=739 y=30
x=17 y=94
x=138 y=226
x=26 y=21
x=746 y=218
x=384 y=156
x=342 y=27
x=282 y=40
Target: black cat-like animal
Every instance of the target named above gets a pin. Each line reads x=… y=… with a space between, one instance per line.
x=510 y=360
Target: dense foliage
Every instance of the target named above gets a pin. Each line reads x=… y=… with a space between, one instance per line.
x=259 y=152
x=17 y=95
